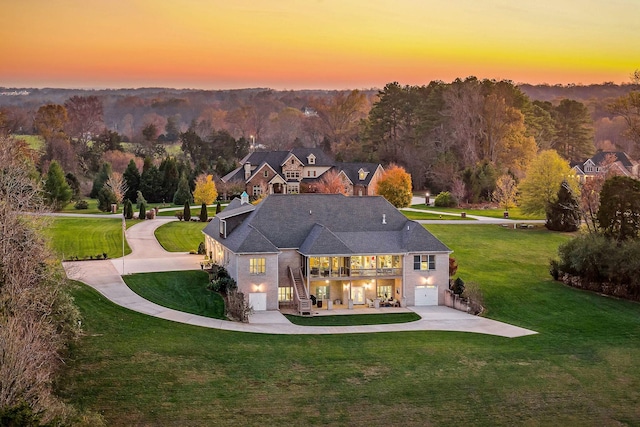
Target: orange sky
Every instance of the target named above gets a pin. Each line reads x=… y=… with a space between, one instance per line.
x=292 y=44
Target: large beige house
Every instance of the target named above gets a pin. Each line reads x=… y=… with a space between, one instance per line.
x=298 y=171
x=292 y=249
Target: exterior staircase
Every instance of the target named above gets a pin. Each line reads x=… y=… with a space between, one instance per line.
x=301 y=297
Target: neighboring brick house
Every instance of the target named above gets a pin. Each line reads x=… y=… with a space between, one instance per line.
x=298 y=171
x=600 y=164
x=343 y=250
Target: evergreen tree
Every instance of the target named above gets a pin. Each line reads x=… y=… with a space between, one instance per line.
x=563 y=214
x=151 y=184
x=57 y=191
x=106 y=198
x=183 y=192
x=203 y=213
x=187 y=212
x=74 y=184
x=140 y=199
x=128 y=209
x=131 y=176
x=143 y=211
x=170 y=176
x=101 y=179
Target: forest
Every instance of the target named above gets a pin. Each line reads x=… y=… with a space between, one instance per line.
x=468 y=130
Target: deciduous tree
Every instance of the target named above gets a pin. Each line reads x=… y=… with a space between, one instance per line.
x=37 y=316
x=395 y=186
x=205 y=191
x=505 y=192
x=619 y=213
x=332 y=183
x=540 y=185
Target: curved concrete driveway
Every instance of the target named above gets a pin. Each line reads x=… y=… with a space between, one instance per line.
x=148 y=256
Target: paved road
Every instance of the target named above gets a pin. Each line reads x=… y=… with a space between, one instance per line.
x=148 y=256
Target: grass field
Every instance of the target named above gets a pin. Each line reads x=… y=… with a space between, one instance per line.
x=514 y=213
x=353 y=319
x=180 y=236
x=431 y=216
x=184 y=291
x=581 y=369
x=87 y=237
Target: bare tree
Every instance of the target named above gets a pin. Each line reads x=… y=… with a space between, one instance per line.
x=37 y=317
x=332 y=183
x=117 y=185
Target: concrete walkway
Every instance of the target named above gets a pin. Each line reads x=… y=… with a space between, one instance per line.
x=148 y=256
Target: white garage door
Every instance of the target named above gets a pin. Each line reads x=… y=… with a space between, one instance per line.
x=258 y=300
x=427 y=295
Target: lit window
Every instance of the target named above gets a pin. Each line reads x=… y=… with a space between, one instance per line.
x=424 y=262
x=285 y=293
x=257 y=266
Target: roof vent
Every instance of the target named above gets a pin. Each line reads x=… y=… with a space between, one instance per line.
x=384 y=218
x=309 y=211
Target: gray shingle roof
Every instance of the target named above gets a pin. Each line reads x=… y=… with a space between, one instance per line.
x=327 y=224
x=352 y=169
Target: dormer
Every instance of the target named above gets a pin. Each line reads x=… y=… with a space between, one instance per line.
x=362 y=174
x=311 y=159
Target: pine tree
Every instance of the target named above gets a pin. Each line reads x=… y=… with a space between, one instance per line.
x=131 y=176
x=183 y=193
x=100 y=180
x=143 y=211
x=203 y=213
x=564 y=213
x=57 y=191
x=187 y=211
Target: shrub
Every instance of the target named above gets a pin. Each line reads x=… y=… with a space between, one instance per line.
x=474 y=295
x=223 y=285
x=457 y=286
x=151 y=214
x=143 y=211
x=179 y=215
x=81 y=204
x=445 y=200
x=202 y=249
x=140 y=200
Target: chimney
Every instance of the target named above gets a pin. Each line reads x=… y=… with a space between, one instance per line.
x=384 y=218
x=247 y=170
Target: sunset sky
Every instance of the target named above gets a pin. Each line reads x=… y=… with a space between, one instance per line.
x=314 y=44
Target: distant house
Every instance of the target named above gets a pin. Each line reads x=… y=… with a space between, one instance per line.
x=298 y=171
x=343 y=250
x=600 y=164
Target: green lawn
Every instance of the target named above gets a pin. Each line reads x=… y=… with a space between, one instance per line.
x=195 y=211
x=353 y=319
x=180 y=236
x=581 y=369
x=87 y=237
x=514 y=213
x=180 y=290
x=92 y=209
x=431 y=216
